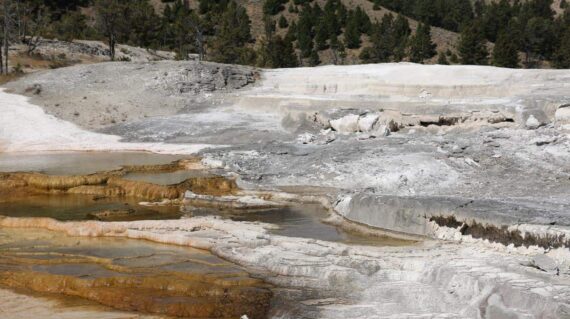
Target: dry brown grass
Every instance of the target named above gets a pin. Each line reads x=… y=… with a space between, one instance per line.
x=29 y=62
x=5 y=78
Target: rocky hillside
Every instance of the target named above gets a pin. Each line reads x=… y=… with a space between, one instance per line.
x=444 y=39
x=290 y=33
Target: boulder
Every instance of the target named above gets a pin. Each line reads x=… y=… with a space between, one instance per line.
x=321 y=119
x=326 y=137
x=562 y=115
x=380 y=131
x=212 y=163
x=306 y=138
x=532 y=123
x=346 y=124
x=545 y=264
x=366 y=122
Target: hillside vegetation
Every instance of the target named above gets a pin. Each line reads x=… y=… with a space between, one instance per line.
x=289 y=33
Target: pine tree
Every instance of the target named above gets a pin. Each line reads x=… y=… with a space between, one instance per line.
x=182 y=30
x=273 y=7
x=232 y=37
x=376 y=6
x=383 y=41
x=283 y=22
x=204 y=6
x=269 y=26
x=401 y=28
x=561 y=58
x=425 y=11
x=142 y=23
x=442 y=59
x=479 y=8
x=277 y=53
x=505 y=53
x=331 y=20
x=453 y=58
x=402 y=33
x=454 y=13
x=292 y=8
x=538 y=39
x=110 y=21
x=291 y=35
x=352 y=32
x=342 y=14
x=72 y=25
x=314 y=59
x=472 y=46
x=421 y=46
x=494 y=19
x=305 y=32
x=363 y=21
x=322 y=35
x=337 y=49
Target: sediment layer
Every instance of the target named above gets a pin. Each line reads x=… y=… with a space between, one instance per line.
x=443 y=279
x=131 y=276
x=112 y=183
x=466 y=217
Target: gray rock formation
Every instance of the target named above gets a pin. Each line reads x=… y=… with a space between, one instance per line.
x=477 y=156
x=105 y=94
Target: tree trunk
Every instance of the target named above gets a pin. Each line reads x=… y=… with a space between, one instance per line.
x=200 y=40
x=335 y=56
x=1 y=62
x=112 y=46
x=6 y=29
x=19 y=19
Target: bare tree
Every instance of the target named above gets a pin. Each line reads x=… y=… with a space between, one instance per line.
x=6 y=33
x=1 y=61
x=198 y=35
x=189 y=31
x=32 y=35
x=109 y=21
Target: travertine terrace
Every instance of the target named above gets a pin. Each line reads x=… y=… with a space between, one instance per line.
x=471 y=163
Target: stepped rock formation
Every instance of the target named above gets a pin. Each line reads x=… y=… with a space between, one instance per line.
x=474 y=161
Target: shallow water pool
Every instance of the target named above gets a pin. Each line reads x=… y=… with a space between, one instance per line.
x=78 y=163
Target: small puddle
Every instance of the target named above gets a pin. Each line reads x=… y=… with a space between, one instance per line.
x=82 y=207
x=305 y=221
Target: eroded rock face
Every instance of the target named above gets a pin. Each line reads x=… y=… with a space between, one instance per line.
x=471 y=217
x=148 y=90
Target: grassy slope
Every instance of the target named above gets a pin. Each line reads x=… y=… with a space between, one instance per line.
x=444 y=39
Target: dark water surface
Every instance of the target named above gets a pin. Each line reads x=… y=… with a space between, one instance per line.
x=79 y=207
